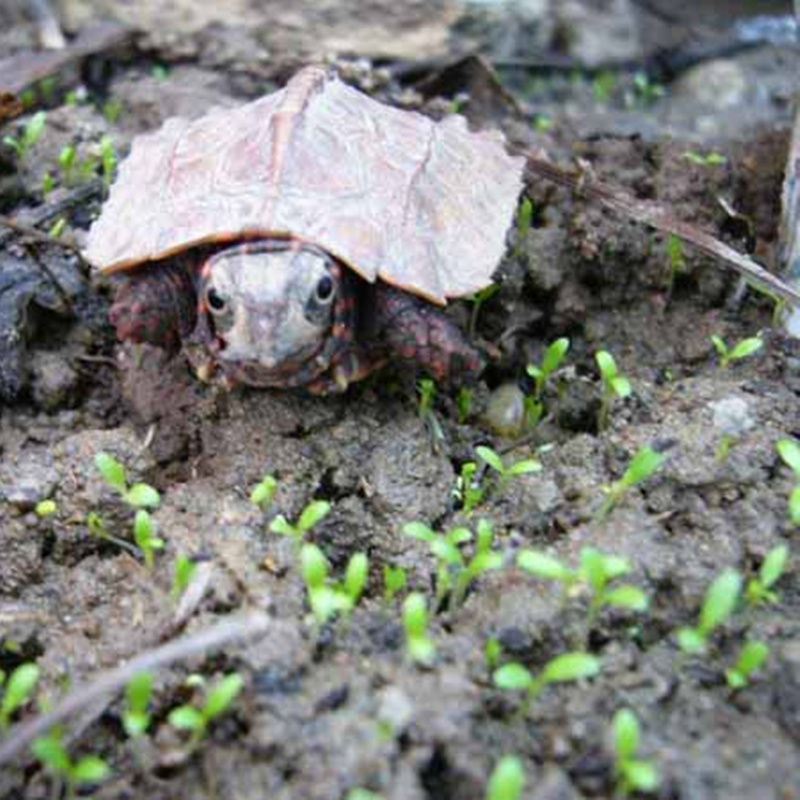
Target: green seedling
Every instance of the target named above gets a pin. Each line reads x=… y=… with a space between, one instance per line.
x=108 y=161
x=645 y=90
x=45 y=508
x=615 y=385
x=789 y=451
x=643 y=465
x=139 y=495
x=676 y=260
x=144 y=534
x=759 y=589
x=58 y=227
x=48 y=183
x=599 y=570
x=468 y=490
x=218 y=700
x=718 y=605
x=97 y=528
x=112 y=110
x=264 y=492
x=419 y=645
x=507 y=780
x=603 y=86
x=596 y=572
x=31 y=134
x=464 y=402
x=712 y=159
x=53 y=755
x=632 y=774
x=182 y=575
x=551 y=361
x=326 y=598
x=752 y=658
x=568 y=667
x=524 y=219
x=395 y=580
x=67 y=162
x=553 y=357
x=492 y=652
x=309 y=518
x=28 y=99
x=745 y=348
x=427 y=396
x=160 y=72
x=136 y=715
x=17 y=691
x=524 y=466
x=455 y=574
x=363 y=794
x=542 y=123
x=477 y=300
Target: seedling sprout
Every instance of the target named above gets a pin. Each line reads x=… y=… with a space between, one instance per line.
x=182 y=575
x=454 y=573
x=643 y=465
x=632 y=774
x=468 y=490
x=18 y=691
x=310 y=517
x=144 y=534
x=419 y=645
x=45 y=508
x=789 y=451
x=53 y=755
x=524 y=466
x=478 y=299
x=507 y=780
x=712 y=159
x=743 y=349
x=492 y=653
x=218 y=700
x=751 y=658
x=136 y=716
x=759 y=589
x=325 y=597
x=394 y=581
x=362 y=794
x=565 y=668
x=551 y=361
x=31 y=134
x=718 y=605
x=264 y=492
x=615 y=385
x=139 y=495
x=597 y=571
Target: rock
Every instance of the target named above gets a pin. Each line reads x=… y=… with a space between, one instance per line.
x=54 y=381
x=732 y=416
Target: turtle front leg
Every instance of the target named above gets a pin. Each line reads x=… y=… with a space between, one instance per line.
x=415 y=330
x=156 y=305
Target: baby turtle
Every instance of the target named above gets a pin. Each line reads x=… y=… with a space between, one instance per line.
x=306 y=238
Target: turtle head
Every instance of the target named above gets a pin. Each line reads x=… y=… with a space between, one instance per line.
x=270 y=308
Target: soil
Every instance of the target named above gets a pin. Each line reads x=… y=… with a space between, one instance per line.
x=328 y=709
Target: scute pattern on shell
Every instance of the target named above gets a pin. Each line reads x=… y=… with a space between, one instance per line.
x=422 y=205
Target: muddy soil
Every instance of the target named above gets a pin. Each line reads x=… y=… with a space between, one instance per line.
x=328 y=709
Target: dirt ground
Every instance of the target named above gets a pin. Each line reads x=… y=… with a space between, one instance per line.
x=328 y=709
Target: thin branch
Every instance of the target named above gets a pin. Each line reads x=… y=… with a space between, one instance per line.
x=660 y=218
x=244 y=628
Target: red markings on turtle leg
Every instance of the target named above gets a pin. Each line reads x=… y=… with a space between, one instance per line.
x=415 y=330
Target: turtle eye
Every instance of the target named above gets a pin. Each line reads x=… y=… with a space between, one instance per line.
x=216 y=302
x=324 y=290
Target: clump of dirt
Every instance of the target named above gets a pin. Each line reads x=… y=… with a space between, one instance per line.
x=328 y=708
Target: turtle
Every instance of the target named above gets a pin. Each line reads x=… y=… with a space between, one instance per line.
x=307 y=238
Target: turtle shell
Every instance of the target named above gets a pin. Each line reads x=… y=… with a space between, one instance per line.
x=422 y=205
